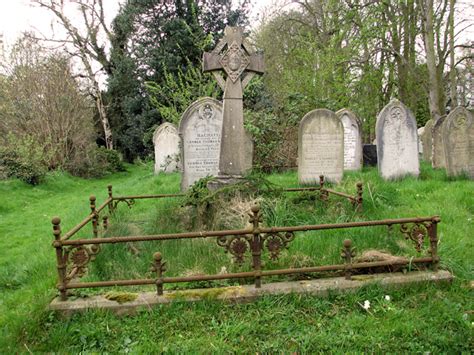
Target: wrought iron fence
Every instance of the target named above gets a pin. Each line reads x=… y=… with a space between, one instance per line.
x=73 y=256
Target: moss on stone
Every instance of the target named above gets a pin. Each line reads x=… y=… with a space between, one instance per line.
x=121 y=297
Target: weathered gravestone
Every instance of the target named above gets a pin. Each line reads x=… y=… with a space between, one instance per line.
x=352 y=139
x=421 y=131
x=427 y=141
x=397 y=141
x=200 y=131
x=320 y=147
x=235 y=56
x=166 y=142
x=439 y=159
x=458 y=136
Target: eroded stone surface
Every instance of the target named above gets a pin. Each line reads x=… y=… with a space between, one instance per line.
x=439 y=158
x=320 y=147
x=397 y=142
x=166 y=142
x=200 y=131
x=352 y=139
x=458 y=135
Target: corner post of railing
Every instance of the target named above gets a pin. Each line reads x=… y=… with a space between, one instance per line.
x=359 y=198
x=159 y=267
x=256 y=245
x=433 y=234
x=111 y=198
x=60 y=258
x=347 y=253
x=95 y=217
x=322 y=192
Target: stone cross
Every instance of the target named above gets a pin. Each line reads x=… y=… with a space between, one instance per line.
x=236 y=57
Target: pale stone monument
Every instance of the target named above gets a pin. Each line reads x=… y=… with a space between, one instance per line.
x=236 y=58
x=421 y=130
x=427 y=141
x=166 y=142
x=200 y=131
x=352 y=139
x=439 y=159
x=458 y=137
x=397 y=141
x=320 y=147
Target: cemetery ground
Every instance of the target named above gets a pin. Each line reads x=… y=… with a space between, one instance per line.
x=435 y=318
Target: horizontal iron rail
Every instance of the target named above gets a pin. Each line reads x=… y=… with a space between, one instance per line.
x=86 y=220
x=137 y=197
x=209 y=234
x=342 y=194
x=337 y=267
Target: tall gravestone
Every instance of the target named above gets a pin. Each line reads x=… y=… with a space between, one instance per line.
x=397 y=141
x=235 y=57
x=439 y=158
x=352 y=139
x=458 y=135
x=166 y=142
x=200 y=131
x=427 y=141
x=320 y=147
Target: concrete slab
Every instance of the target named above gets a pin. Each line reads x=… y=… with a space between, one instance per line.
x=130 y=302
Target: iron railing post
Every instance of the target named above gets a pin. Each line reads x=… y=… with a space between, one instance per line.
x=111 y=203
x=159 y=267
x=359 y=198
x=94 y=216
x=60 y=258
x=347 y=254
x=433 y=234
x=256 y=245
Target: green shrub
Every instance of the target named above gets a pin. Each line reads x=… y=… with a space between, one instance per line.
x=98 y=162
x=22 y=158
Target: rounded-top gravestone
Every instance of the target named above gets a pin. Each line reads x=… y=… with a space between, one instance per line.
x=200 y=130
x=397 y=142
x=458 y=136
x=320 y=147
x=439 y=158
x=352 y=139
x=166 y=142
x=427 y=141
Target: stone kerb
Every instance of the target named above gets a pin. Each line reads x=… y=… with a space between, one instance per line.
x=200 y=130
x=439 y=158
x=458 y=136
x=166 y=142
x=352 y=139
x=320 y=147
x=397 y=142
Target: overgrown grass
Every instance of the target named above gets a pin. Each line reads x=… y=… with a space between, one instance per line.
x=428 y=318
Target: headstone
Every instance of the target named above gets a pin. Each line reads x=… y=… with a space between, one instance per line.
x=370 y=154
x=439 y=158
x=166 y=141
x=352 y=139
x=421 y=130
x=427 y=141
x=458 y=135
x=237 y=59
x=397 y=141
x=200 y=131
x=320 y=147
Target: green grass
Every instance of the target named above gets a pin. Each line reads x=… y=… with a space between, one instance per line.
x=428 y=318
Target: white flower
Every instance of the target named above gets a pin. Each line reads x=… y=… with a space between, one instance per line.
x=387 y=298
x=366 y=305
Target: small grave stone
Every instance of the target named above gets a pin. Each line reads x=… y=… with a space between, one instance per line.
x=439 y=158
x=458 y=136
x=427 y=141
x=352 y=139
x=370 y=154
x=397 y=142
x=421 y=130
x=166 y=142
x=320 y=147
x=200 y=131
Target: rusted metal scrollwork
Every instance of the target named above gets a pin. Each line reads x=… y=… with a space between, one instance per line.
x=129 y=201
x=77 y=258
x=416 y=232
x=237 y=245
x=276 y=242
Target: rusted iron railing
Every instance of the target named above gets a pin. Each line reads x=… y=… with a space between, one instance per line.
x=74 y=255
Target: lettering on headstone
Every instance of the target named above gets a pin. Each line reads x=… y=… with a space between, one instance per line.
x=200 y=131
x=397 y=141
x=352 y=139
x=320 y=147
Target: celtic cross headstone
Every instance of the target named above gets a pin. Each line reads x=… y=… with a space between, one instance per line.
x=235 y=57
